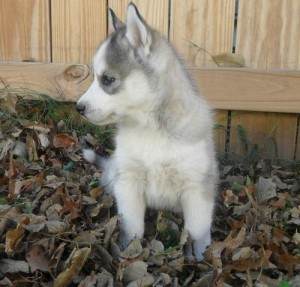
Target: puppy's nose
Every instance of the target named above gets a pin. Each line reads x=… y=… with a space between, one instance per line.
x=80 y=108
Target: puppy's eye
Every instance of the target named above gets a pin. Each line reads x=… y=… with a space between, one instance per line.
x=107 y=80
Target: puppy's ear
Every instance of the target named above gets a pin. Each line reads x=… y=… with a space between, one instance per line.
x=114 y=22
x=138 y=32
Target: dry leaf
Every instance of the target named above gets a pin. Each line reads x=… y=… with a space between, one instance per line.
x=20 y=149
x=55 y=258
x=165 y=278
x=279 y=236
x=8 y=101
x=296 y=237
x=63 y=141
x=27 y=184
x=36 y=259
x=242 y=209
x=5 y=281
x=70 y=206
x=88 y=200
x=208 y=280
x=216 y=248
x=279 y=203
x=229 y=60
x=87 y=238
x=103 y=279
x=56 y=227
x=285 y=261
x=4 y=180
x=31 y=148
x=44 y=140
x=133 y=250
x=295 y=212
x=77 y=260
x=243 y=254
x=97 y=191
x=13 y=266
x=266 y=189
x=36 y=126
x=261 y=262
x=95 y=210
x=184 y=237
x=12 y=166
x=7 y=212
x=156 y=246
x=37 y=223
x=15 y=236
x=134 y=271
x=90 y=139
x=230 y=197
x=6 y=146
x=279 y=183
x=146 y=281
x=177 y=264
x=109 y=229
x=55 y=198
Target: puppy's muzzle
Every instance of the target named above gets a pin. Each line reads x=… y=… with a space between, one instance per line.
x=80 y=108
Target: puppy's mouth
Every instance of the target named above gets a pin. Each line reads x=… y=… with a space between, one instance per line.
x=98 y=118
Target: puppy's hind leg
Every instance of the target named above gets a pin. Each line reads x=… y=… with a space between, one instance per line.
x=131 y=206
x=198 y=212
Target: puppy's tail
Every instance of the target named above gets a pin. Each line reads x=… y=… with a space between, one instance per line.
x=92 y=157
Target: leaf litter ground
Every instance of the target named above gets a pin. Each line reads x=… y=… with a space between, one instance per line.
x=59 y=228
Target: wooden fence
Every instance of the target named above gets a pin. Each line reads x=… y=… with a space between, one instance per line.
x=47 y=45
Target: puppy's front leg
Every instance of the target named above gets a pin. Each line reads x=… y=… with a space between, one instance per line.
x=198 y=211
x=131 y=206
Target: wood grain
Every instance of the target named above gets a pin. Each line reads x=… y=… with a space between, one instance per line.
x=270 y=132
x=250 y=90
x=155 y=12
x=78 y=26
x=24 y=30
x=268 y=36
x=59 y=81
x=207 y=24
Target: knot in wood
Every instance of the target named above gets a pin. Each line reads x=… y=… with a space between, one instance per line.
x=75 y=72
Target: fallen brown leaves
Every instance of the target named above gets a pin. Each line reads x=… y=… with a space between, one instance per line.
x=58 y=227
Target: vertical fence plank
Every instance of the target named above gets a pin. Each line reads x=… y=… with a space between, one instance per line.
x=207 y=24
x=78 y=26
x=269 y=33
x=268 y=38
x=24 y=30
x=155 y=12
x=221 y=126
x=269 y=132
x=199 y=29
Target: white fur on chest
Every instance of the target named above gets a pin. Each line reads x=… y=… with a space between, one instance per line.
x=162 y=163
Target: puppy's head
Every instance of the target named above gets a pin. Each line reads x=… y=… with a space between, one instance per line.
x=123 y=78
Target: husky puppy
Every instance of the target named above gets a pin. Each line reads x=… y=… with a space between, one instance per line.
x=164 y=155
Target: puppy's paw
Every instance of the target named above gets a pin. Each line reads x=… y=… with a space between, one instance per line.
x=92 y=157
x=89 y=155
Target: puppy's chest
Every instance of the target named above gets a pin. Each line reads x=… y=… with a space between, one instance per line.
x=156 y=161
x=147 y=146
x=164 y=186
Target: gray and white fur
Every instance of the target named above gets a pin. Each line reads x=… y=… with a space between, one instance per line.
x=164 y=157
